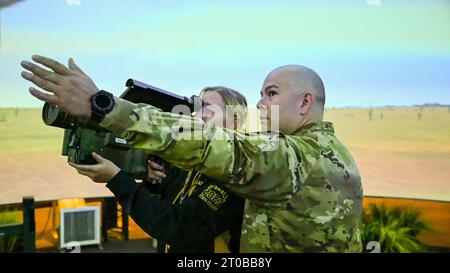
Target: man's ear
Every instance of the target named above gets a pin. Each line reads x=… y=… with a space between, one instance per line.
x=306 y=103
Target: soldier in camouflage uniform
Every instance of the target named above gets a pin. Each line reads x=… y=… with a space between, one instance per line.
x=302 y=186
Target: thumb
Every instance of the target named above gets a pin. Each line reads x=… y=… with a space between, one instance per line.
x=75 y=67
x=98 y=158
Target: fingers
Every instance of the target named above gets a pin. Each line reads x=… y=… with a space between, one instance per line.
x=75 y=67
x=52 y=99
x=154 y=165
x=40 y=72
x=155 y=171
x=44 y=84
x=88 y=174
x=160 y=174
x=84 y=168
x=52 y=64
x=81 y=170
x=156 y=175
x=98 y=158
x=89 y=171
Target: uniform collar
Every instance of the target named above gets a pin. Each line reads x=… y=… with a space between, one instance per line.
x=321 y=126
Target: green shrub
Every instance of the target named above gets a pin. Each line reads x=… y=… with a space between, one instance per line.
x=3 y=117
x=8 y=242
x=395 y=229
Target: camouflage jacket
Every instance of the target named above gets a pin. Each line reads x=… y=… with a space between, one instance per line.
x=303 y=191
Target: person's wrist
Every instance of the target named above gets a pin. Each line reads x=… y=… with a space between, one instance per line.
x=114 y=170
x=88 y=114
x=102 y=103
x=89 y=102
x=114 y=173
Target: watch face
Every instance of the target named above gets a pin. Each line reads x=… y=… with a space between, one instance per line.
x=104 y=101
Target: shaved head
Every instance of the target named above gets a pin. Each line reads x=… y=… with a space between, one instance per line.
x=299 y=93
x=303 y=79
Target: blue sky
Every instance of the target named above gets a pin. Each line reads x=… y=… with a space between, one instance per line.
x=394 y=53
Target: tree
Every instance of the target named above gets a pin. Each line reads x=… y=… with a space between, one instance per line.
x=3 y=117
x=420 y=114
x=370 y=114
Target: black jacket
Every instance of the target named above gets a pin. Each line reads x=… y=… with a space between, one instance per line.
x=187 y=212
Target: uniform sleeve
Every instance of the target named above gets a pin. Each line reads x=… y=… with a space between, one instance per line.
x=259 y=167
x=193 y=220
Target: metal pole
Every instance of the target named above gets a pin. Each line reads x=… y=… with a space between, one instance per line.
x=29 y=225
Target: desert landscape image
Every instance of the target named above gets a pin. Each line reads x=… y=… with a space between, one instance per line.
x=401 y=152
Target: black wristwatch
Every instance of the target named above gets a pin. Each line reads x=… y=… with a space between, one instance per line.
x=102 y=103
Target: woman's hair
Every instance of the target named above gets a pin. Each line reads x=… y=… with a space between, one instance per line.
x=235 y=102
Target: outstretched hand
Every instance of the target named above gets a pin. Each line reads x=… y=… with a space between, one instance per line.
x=70 y=87
x=102 y=172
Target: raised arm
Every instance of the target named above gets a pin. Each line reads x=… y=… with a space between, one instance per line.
x=249 y=165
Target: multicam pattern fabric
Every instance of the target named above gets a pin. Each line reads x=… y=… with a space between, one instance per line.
x=303 y=190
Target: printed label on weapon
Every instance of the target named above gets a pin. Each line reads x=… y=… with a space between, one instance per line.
x=121 y=140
